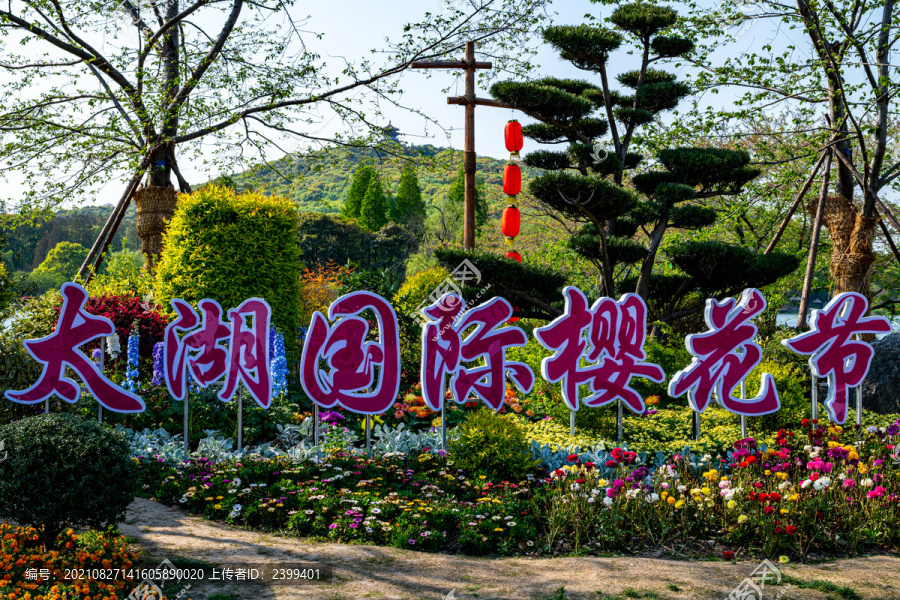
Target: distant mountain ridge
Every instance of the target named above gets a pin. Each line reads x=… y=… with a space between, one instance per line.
x=318 y=181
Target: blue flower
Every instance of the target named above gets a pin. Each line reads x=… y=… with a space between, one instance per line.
x=131 y=370
x=278 y=363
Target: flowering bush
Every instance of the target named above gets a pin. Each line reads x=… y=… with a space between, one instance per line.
x=20 y=550
x=420 y=501
x=812 y=490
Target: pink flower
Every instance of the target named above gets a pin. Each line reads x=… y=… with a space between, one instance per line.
x=849 y=484
x=877 y=492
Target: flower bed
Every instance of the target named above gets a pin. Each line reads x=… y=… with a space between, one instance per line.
x=813 y=490
x=20 y=550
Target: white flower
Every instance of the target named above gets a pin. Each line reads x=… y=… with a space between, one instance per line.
x=232 y=491
x=664 y=485
x=783 y=485
x=824 y=482
x=113 y=347
x=651 y=498
x=183 y=499
x=369 y=529
x=237 y=482
x=867 y=482
x=507 y=518
x=595 y=492
x=309 y=511
x=806 y=483
x=591 y=500
x=872 y=429
x=510 y=523
x=681 y=488
x=530 y=543
x=496 y=518
x=608 y=501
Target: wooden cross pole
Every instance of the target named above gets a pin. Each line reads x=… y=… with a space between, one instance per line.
x=469 y=101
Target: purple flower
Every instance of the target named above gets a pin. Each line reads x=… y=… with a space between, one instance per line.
x=157 y=364
x=332 y=526
x=412 y=542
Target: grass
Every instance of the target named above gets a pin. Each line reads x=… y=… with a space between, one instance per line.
x=673 y=588
x=559 y=594
x=842 y=591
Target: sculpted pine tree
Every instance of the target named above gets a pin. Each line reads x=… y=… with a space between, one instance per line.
x=626 y=222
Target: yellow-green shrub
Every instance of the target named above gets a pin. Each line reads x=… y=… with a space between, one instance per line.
x=489 y=444
x=418 y=288
x=231 y=247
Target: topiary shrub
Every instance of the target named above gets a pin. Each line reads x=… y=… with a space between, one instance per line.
x=231 y=247
x=63 y=471
x=487 y=444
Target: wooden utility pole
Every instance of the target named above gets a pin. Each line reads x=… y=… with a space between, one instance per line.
x=469 y=101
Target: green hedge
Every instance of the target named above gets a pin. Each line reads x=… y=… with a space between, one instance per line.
x=231 y=247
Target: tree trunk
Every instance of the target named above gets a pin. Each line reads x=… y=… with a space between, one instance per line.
x=852 y=254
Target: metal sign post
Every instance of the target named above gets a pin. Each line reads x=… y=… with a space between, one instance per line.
x=620 y=424
x=240 y=424
x=815 y=401
x=315 y=424
x=572 y=423
x=187 y=449
x=443 y=427
x=743 y=417
x=369 y=435
x=102 y=360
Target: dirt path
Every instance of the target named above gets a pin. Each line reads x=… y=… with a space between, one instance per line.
x=390 y=573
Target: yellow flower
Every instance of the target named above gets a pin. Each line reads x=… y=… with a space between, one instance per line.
x=731 y=504
x=794 y=497
x=664 y=495
x=670 y=500
x=679 y=504
x=784 y=511
x=601 y=482
x=781 y=475
x=217 y=506
x=783 y=559
x=499 y=529
x=482 y=477
x=767 y=472
x=743 y=519
x=705 y=490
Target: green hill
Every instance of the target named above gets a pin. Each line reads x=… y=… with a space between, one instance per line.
x=318 y=181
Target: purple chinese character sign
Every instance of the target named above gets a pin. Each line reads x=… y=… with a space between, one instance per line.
x=602 y=346
x=724 y=356
x=60 y=349
x=445 y=347
x=833 y=354
x=362 y=375
x=204 y=353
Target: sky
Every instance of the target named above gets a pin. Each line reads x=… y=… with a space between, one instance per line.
x=352 y=28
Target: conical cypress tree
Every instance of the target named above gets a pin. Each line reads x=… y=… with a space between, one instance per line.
x=358 y=187
x=408 y=207
x=373 y=212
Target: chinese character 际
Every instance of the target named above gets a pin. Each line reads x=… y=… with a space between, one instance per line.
x=445 y=346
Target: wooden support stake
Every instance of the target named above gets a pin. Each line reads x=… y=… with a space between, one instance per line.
x=787 y=218
x=814 y=246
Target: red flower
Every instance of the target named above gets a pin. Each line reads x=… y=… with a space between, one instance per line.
x=775 y=497
x=813 y=476
x=791 y=530
x=728 y=555
x=580 y=480
x=763 y=497
x=589 y=465
x=769 y=510
x=610 y=463
x=778 y=530
x=744 y=463
x=751 y=459
x=572 y=457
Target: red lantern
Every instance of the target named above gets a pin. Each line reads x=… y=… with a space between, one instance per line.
x=513 y=137
x=509 y=223
x=514 y=255
x=512 y=180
